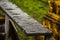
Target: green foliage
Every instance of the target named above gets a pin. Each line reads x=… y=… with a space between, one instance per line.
x=35 y=8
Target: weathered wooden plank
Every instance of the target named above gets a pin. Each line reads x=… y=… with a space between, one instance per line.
x=28 y=24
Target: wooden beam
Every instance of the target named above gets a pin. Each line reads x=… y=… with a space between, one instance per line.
x=24 y=21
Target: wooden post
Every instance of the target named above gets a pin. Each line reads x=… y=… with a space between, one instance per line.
x=6 y=26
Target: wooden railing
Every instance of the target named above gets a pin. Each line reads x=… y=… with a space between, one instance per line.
x=27 y=24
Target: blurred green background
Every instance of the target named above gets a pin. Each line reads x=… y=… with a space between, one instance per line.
x=35 y=8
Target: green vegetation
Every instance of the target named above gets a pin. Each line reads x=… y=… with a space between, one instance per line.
x=35 y=8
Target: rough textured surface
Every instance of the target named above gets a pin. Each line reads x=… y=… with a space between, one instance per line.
x=28 y=24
